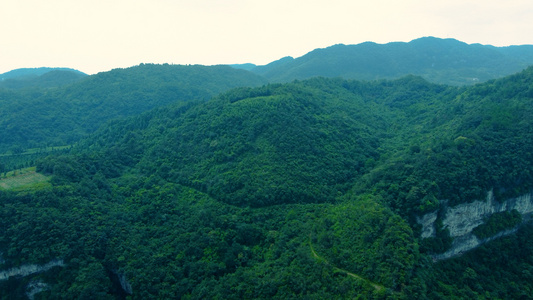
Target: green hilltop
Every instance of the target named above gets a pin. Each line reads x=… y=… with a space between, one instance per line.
x=34 y=118
x=39 y=77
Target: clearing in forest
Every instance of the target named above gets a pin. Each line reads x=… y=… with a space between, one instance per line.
x=23 y=179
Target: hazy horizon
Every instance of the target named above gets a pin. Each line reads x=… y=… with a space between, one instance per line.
x=96 y=36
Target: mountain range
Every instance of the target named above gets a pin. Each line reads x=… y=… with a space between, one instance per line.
x=39 y=77
x=446 y=61
x=196 y=182
x=60 y=116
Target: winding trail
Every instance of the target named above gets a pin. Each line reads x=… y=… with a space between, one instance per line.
x=376 y=286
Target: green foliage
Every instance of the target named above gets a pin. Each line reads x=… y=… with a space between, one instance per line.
x=476 y=141
x=25 y=73
x=498 y=222
x=302 y=190
x=50 y=79
x=501 y=269
x=168 y=241
x=271 y=145
x=439 y=243
x=37 y=118
x=366 y=238
x=445 y=61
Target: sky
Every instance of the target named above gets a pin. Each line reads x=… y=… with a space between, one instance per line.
x=99 y=35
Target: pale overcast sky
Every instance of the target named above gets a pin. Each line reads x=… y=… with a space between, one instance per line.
x=99 y=35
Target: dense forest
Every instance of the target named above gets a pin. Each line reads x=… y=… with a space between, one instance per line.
x=32 y=73
x=39 y=77
x=446 y=61
x=200 y=182
x=36 y=117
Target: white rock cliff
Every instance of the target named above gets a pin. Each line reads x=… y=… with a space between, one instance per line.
x=26 y=270
x=460 y=220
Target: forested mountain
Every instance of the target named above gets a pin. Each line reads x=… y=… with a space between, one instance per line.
x=37 y=118
x=48 y=80
x=25 y=73
x=247 y=66
x=309 y=189
x=437 y=60
x=39 y=77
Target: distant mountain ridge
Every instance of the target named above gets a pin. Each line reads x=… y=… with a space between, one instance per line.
x=447 y=61
x=33 y=72
x=63 y=115
x=39 y=77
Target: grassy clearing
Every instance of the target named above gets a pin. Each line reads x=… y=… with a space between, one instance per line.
x=23 y=180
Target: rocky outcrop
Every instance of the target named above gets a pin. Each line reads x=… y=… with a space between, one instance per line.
x=26 y=270
x=460 y=220
x=124 y=284
x=428 y=224
x=468 y=242
x=35 y=287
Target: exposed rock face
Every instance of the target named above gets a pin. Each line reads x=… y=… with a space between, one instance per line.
x=35 y=287
x=126 y=286
x=428 y=224
x=462 y=219
x=26 y=270
x=468 y=242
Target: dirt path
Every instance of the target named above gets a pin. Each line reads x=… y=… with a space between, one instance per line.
x=378 y=287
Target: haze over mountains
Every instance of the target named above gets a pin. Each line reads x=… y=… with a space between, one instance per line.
x=134 y=90
x=210 y=182
x=25 y=73
x=39 y=77
x=446 y=61
x=437 y=60
x=61 y=116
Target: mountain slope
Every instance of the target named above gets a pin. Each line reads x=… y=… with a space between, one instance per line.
x=36 y=118
x=47 y=80
x=273 y=145
x=445 y=61
x=25 y=73
x=301 y=142
x=307 y=189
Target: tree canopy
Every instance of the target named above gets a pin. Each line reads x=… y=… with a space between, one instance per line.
x=308 y=189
